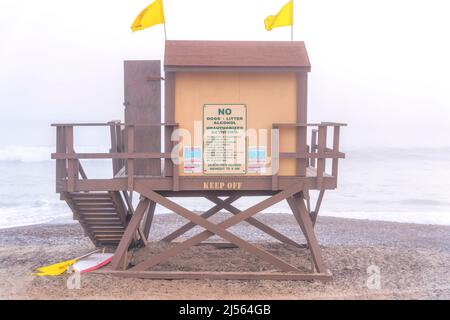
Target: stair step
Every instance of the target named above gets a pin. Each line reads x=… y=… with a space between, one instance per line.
x=98 y=214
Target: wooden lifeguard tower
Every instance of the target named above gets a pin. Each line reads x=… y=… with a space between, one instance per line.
x=223 y=90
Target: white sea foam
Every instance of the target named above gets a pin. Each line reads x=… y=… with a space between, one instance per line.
x=436 y=218
x=25 y=215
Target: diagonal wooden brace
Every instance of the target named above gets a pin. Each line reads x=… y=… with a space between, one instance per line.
x=254 y=222
x=219 y=229
x=315 y=213
x=129 y=234
x=304 y=220
x=188 y=226
x=149 y=219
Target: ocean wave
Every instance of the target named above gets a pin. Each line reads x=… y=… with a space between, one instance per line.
x=418 y=217
x=28 y=215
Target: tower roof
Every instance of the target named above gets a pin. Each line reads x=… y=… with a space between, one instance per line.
x=205 y=55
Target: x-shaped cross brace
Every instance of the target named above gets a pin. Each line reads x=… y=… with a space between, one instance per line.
x=219 y=229
x=227 y=205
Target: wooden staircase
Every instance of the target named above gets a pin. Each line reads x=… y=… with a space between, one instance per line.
x=103 y=215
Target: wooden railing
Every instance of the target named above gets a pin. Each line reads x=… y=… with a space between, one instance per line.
x=306 y=155
x=123 y=154
x=68 y=167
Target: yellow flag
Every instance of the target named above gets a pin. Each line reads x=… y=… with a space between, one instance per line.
x=150 y=16
x=283 y=18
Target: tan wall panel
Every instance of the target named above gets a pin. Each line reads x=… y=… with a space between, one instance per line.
x=270 y=97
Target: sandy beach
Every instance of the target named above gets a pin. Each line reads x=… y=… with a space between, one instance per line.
x=414 y=263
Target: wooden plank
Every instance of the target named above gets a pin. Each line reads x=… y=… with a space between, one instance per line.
x=113 y=227
x=312 y=162
x=317 y=155
x=113 y=148
x=321 y=124
x=275 y=157
x=106 y=208
x=100 y=216
x=72 y=170
x=87 y=206
x=91 y=203
x=61 y=173
x=175 y=173
x=218 y=245
x=248 y=183
x=107 y=124
x=322 y=141
x=112 y=155
x=130 y=162
x=177 y=275
x=334 y=165
x=90 y=195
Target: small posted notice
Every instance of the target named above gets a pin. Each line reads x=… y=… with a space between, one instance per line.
x=256 y=160
x=192 y=159
x=224 y=141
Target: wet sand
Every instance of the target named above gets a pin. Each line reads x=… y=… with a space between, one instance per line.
x=414 y=263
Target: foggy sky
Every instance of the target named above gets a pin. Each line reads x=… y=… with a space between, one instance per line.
x=380 y=66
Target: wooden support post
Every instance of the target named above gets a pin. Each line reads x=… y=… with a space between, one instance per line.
x=312 y=162
x=114 y=148
x=129 y=234
x=175 y=182
x=72 y=168
x=335 y=161
x=304 y=219
x=61 y=164
x=149 y=219
x=275 y=156
x=130 y=162
x=120 y=144
x=321 y=149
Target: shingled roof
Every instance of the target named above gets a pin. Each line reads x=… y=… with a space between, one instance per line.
x=181 y=55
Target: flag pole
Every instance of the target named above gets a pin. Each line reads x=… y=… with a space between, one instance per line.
x=165 y=32
x=164 y=15
x=292 y=24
